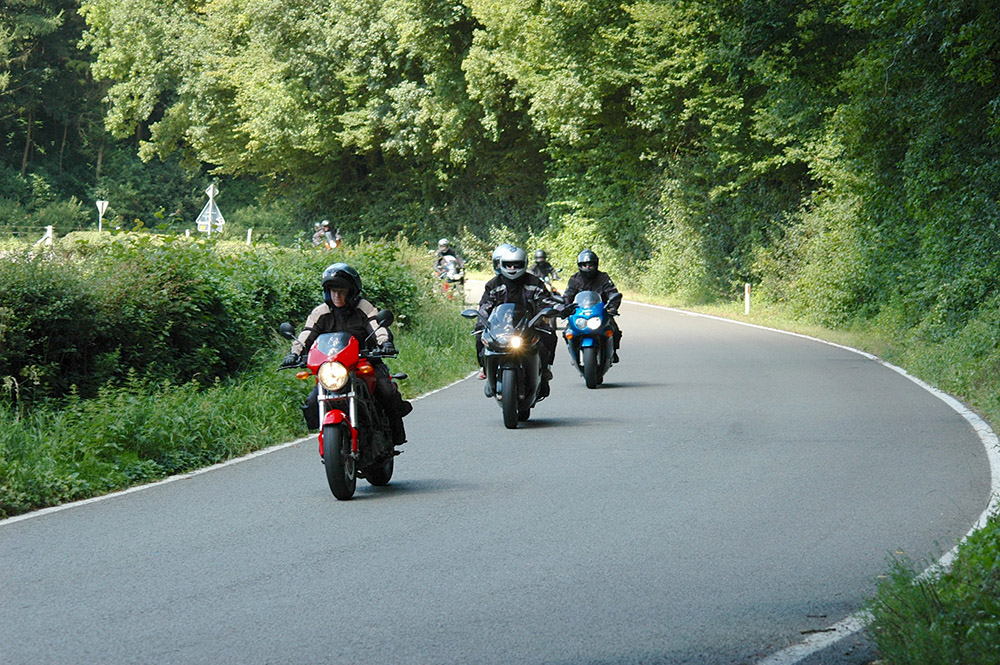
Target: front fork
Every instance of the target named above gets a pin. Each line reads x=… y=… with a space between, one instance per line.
x=330 y=416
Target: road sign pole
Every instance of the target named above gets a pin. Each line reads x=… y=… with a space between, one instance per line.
x=101 y=207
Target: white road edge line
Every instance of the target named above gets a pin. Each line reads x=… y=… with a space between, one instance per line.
x=189 y=474
x=857 y=621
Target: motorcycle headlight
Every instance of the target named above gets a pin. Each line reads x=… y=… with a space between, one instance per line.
x=580 y=322
x=515 y=341
x=332 y=375
x=594 y=322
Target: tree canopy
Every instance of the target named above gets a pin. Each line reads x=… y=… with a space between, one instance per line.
x=839 y=153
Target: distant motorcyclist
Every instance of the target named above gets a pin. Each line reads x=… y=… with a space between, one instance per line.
x=344 y=310
x=542 y=267
x=326 y=235
x=444 y=249
x=589 y=278
x=515 y=285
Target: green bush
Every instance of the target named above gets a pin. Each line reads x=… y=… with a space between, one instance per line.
x=167 y=307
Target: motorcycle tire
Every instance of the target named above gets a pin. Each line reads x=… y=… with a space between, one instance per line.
x=509 y=398
x=340 y=471
x=590 y=368
x=380 y=474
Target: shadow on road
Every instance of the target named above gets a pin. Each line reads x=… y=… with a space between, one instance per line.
x=543 y=423
x=423 y=486
x=627 y=384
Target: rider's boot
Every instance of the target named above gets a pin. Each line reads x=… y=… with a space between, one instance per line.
x=398 y=432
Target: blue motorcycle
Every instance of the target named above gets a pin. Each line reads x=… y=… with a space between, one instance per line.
x=590 y=338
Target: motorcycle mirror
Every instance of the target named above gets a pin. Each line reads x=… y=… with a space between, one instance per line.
x=548 y=311
x=470 y=313
x=384 y=318
x=286 y=330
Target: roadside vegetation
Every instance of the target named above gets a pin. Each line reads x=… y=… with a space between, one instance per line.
x=132 y=357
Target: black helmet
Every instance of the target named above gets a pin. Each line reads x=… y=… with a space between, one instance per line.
x=513 y=263
x=496 y=256
x=540 y=255
x=587 y=262
x=341 y=276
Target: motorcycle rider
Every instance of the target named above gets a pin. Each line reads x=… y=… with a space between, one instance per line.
x=542 y=267
x=589 y=278
x=444 y=249
x=513 y=284
x=493 y=281
x=344 y=310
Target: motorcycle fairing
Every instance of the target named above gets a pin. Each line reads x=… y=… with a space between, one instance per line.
x=339 y=346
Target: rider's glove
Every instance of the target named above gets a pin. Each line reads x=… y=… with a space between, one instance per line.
x=290 y=360
x=388 y=349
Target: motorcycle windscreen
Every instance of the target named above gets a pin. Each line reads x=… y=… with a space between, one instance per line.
x=339 y=346
x=505 y=318
x=587 y=299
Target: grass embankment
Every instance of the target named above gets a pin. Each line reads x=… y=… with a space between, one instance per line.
x=141 y=431
x=950 y=616
x=142 y=428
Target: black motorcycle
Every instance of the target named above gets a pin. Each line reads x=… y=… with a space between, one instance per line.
x=512 y=359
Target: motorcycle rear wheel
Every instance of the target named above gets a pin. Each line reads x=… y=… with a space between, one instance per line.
x=380 y=474
x=340 y=472
x=590 y=369
x=508 y=399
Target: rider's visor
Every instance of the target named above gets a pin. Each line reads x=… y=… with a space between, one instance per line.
x=332 y=375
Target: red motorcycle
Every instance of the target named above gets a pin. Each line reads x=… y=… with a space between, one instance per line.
x=355 y=439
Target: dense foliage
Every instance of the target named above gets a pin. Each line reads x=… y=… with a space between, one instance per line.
x=100 y=308
x=837 y=153
x=123 y=366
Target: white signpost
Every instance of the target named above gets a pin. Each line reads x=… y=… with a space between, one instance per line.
x=210 y=215
x=101 y=207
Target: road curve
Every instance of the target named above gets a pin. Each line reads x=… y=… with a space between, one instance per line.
x=727 y=491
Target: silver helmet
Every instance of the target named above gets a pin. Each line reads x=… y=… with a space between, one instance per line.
x=496 y=256
x=513 y=263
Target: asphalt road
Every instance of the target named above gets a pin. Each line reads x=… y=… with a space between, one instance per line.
x=727 y=491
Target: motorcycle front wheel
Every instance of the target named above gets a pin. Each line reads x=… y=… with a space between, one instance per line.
x=590 y=369
x=508 y=399
x=338 y=462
